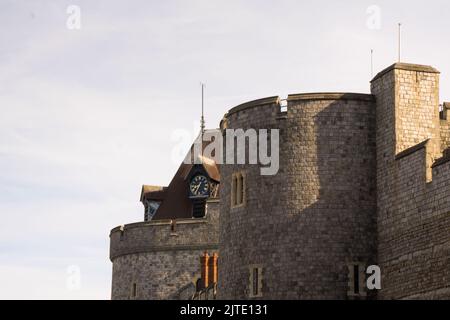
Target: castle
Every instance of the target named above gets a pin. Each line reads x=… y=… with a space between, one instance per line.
x=363 y=179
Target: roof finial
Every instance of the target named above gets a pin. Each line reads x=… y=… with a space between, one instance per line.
x=399 y=40
x=202 y=120
x=371 y=63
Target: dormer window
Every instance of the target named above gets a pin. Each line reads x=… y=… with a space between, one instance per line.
x=150 y=209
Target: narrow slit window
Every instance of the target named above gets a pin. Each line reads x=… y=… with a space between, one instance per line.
x=234 y=191
x=255 y=281
x=241 y=189
x=237 y=189
x=134 y=290
x=356 y=278
x=255 y=285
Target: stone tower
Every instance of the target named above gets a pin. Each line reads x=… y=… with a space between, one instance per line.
x=413 y=214
x=298 y=232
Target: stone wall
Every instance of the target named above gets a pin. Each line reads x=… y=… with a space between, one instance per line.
x=305 y=224
x=161 y=257
x=419 y=247
x=413 y=208
x=363 y=179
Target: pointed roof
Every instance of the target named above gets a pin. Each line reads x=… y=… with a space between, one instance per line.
x=152 y=192
x=175 y=202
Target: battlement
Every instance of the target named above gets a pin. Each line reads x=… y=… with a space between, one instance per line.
x=166 y=235
x=273 y=106
x=331 y=96
x=423 y=145
x=443 y=111
x=419 y=161
x=406 y=67
x=255 y=103
x=163 y=235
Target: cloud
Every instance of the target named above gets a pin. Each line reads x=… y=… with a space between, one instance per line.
x=52 y=281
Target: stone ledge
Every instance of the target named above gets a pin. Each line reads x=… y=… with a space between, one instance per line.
x=441 y=161
x=443 y=113
x=254 y=103
x=303 y=96
x=165 y=222
x=411 y=150
x=163 y=248
x=332 y=96
x=406 y=66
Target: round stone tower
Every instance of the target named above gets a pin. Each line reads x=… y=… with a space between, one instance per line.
x=300 y=233
x=167 y=255
x=159 y=259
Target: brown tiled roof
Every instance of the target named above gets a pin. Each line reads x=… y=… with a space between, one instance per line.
x=175 y=201
x=152 y=192
x=210 y=167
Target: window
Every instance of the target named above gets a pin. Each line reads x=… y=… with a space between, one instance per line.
x=150 y=209
x=237 y=189
x=134 y=290
x=198 y=208
x=241 y=190
x=233 y=190
x=255 y=281
x=356 y=280
x=214 y=190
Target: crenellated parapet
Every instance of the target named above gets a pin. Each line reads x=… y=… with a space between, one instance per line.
x=164 y=235
x=413 y=183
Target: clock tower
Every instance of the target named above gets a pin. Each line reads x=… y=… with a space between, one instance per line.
x=201 y=187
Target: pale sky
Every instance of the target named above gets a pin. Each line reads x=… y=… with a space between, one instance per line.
x=89 y=115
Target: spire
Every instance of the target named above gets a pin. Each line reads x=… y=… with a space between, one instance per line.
x=202 y=119
x=399 y=41
x=371 y=63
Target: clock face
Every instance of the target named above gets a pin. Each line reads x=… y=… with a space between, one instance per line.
x=199 y=186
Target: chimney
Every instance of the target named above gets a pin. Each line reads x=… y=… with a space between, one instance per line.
x=204 y=259
x=213 y=268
